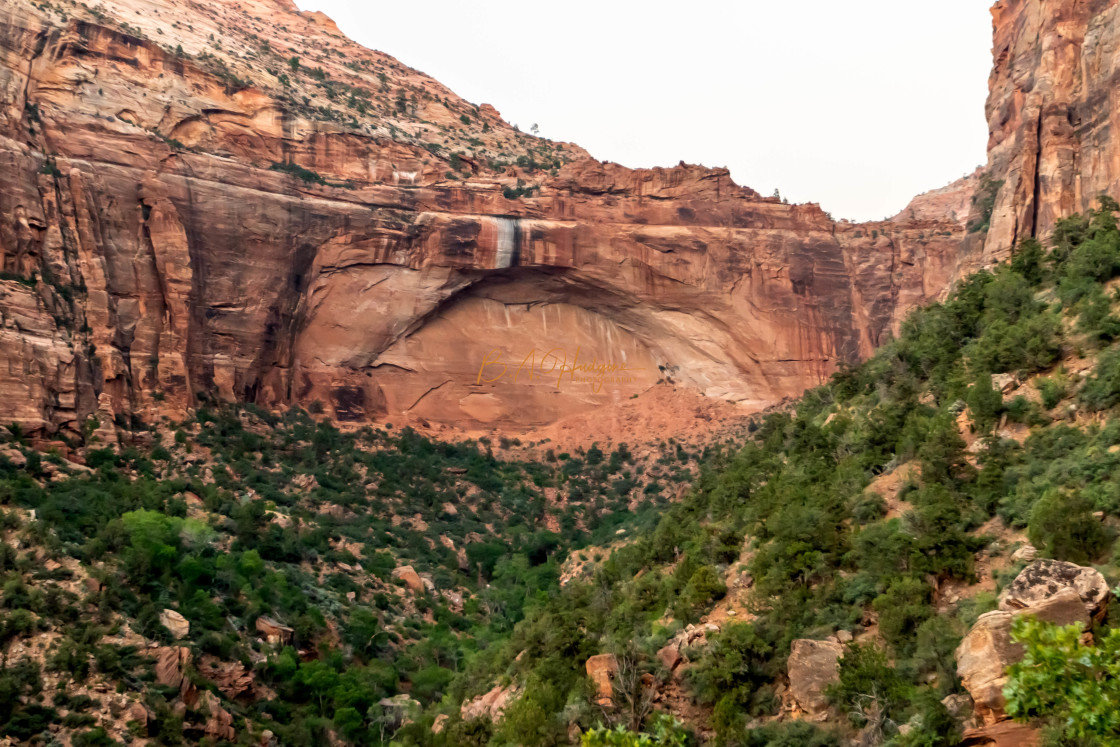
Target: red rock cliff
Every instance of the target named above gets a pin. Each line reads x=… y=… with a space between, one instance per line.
x=1052 y=109
x=229 y=199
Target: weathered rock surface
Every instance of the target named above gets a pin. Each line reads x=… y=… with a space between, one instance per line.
x=394 y=266
x=233 y=679
x=952 y=202
x=813 y=666
x=490 y=705
x=410 y=577
x=603 y=670
x=1043 y=579
x=982 y=660
x=1005 y=734
x=171 y=663
x=219 y=721
x=1054 y=591
x=179 y=626
x=1051 y=114
x=274 y=632
x=174 y=260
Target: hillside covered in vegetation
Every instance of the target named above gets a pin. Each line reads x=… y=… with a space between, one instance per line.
x=253 y=578
x=886 y=507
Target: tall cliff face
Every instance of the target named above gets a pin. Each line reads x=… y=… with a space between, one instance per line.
x=1052 y=109
x=210 y=199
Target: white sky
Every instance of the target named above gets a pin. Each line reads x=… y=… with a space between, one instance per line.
x=858 y=105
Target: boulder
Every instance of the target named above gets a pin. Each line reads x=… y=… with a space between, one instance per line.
x=1005 y=383
x=454 y=600
x=1043 y=579
x=410 y=577
x=1051 y=590
x=137 y=712
x=440 y=722
x=813 y=666
x=219 y=722
x=490 y=705
x=179 y=626
x=603 y=669
x=13 y=455
x=1064 y=608
x=670 y=656
x=171 y=663
x=982 y=659
x=233 y=679
x=273 y=631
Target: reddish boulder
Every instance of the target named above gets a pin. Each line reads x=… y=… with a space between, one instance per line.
x=491 y=705
x=410 y=577
x=1054 y=591
x=274 y=632
x=219 y=722
x=603 y=670
x=670 y=656
x=170 y=662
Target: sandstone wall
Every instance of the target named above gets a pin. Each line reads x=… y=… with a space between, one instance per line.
x=1051 y=111
x=174 y=264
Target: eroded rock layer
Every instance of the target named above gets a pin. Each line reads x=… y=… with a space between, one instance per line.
x=181 y=219
x=1052 y=109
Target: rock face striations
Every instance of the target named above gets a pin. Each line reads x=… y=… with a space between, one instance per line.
x=203 y=199
x=1051 y=113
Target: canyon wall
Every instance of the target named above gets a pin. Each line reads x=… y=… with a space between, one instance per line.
x=214 y=200
x=1052 y=111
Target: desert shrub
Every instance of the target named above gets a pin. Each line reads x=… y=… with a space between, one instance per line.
x=663 y=731
x=1102 y=390
x=902 y=608
x=1063 y=525
x=869 y=689
x=733 y=667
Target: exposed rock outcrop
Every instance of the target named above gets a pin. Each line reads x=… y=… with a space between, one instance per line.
x=273 y=631
x=200 y=225
x=410 y=577
x=179 y=626
x=1005 y=734
x=1054 y=591
x=1051 y=114
x=1043 y=579
x=233 y=679
x=490 y=705
x=206 y=233
x=813 y=666
x=603 y=671
x=171 y=664
x=219 y=721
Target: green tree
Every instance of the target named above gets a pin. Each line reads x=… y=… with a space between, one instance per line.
x=1071 y=686
x=1063 y=523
